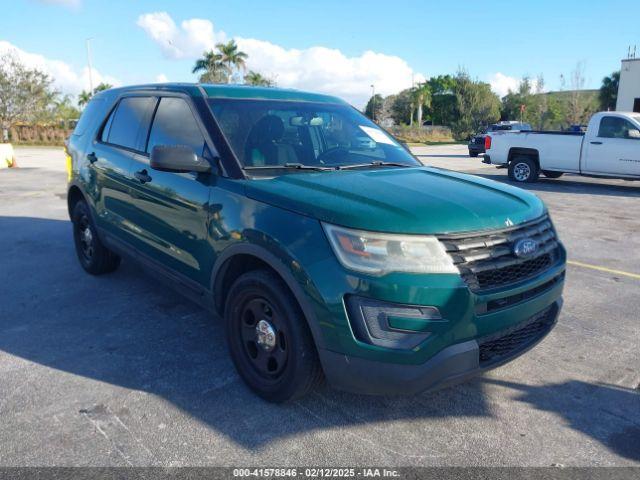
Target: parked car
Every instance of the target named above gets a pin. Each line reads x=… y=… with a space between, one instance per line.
x=610 y=147
x=325 y=246
x=476 y=143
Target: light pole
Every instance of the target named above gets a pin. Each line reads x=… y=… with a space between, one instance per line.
x=89 y=63
x=373 y=102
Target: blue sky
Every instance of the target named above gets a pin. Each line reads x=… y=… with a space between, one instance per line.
x=341 y=47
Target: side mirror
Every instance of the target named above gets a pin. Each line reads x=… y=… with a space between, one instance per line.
x=177 y=158
x=635 y=134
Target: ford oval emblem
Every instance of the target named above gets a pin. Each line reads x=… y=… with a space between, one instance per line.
x=525 y=247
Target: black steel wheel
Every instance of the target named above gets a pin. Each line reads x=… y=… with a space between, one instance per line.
x=94 y=257
x=269 y=339
x=264 y=337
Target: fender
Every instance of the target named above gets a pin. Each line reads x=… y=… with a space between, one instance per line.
x=222 y=263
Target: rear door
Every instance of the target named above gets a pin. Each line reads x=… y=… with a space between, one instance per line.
x=615 y=150
x=170 y=209
x=122 y=135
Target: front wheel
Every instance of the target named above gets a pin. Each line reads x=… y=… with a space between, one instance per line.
x=523 y=169
x=268 y=338
x=550 y=174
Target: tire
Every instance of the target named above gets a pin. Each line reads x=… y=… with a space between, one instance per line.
x=268 y=338
x=523 y=169
x=473 y=154
x=94 y=257
x=550 y=174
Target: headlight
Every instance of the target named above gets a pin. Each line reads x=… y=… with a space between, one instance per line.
x=380 y=253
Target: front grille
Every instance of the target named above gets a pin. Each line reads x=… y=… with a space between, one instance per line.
x=505 y=344
x=486 y=259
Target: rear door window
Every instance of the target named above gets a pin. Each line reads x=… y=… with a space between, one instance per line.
x=174 y=124
x=129 y=123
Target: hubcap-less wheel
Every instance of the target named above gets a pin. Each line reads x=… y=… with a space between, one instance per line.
x=264 y=338
x=85 y=237
x=521 y=172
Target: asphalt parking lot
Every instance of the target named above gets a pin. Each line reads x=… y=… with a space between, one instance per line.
x=117 y=371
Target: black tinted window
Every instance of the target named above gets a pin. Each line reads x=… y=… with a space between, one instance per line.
x=88 y=114
x=174 y=124
x=130 y=122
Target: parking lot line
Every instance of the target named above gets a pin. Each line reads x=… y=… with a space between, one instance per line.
x=604 y=269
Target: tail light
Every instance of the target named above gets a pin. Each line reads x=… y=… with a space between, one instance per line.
x=487 y=142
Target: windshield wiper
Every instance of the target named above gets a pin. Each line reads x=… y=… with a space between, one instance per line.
x=289 y=166
x=377 y=163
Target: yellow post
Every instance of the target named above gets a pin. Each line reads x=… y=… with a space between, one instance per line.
x=7 y=156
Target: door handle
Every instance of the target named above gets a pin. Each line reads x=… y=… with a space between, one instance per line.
x=92 y=157
x=142 y=176
x=596 y=143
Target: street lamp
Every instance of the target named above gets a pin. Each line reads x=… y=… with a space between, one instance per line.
x=89 y=63
x=373 y=102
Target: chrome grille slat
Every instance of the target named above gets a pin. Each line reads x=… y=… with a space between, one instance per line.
x=486 y=259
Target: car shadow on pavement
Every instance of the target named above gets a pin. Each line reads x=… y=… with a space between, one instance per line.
x=127 y=330
x=603 y=412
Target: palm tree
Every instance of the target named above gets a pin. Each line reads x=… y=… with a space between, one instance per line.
x=256 y=78
x=608 y=94
x=84 y=96
x=232 y=57
x=211 y=64
x=422 y=98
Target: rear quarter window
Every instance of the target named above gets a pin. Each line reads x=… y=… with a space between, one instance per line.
x=90 y=116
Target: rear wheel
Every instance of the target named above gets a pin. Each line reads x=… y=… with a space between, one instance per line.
x=550 y=174
x=523 y=169
x=94 y=257
x=268 y=338
x=473 y=154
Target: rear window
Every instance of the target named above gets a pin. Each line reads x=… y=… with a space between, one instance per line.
x=129 y=123
x=89 y=114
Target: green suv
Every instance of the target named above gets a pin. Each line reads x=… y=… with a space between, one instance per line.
x=326 y=247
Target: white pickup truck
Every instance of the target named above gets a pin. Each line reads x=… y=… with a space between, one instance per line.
x=609 y=148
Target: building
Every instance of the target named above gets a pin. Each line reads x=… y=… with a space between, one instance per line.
x=629 y=88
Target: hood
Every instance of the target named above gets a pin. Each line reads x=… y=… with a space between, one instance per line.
x=400 y=200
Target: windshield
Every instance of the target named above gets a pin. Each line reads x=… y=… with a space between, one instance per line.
x=265 y=133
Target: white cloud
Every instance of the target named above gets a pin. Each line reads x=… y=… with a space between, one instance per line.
x=501 y=84
x=192 y=38
x=65 y=78
x=161 y=78
x=316 y=68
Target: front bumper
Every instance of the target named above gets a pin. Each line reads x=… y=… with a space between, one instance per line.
x=451 y=365
x=477 y=149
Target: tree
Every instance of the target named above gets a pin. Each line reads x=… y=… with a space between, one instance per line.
x=476 y=105
x=212 y=68
x=257 y=79
x=608 y=94
x=373 y=110
x=421 y=99
x=443 y=100
x=402 y=107
x=84 y=96
x=24 y=92
x=232 y=57
x=577 y=111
